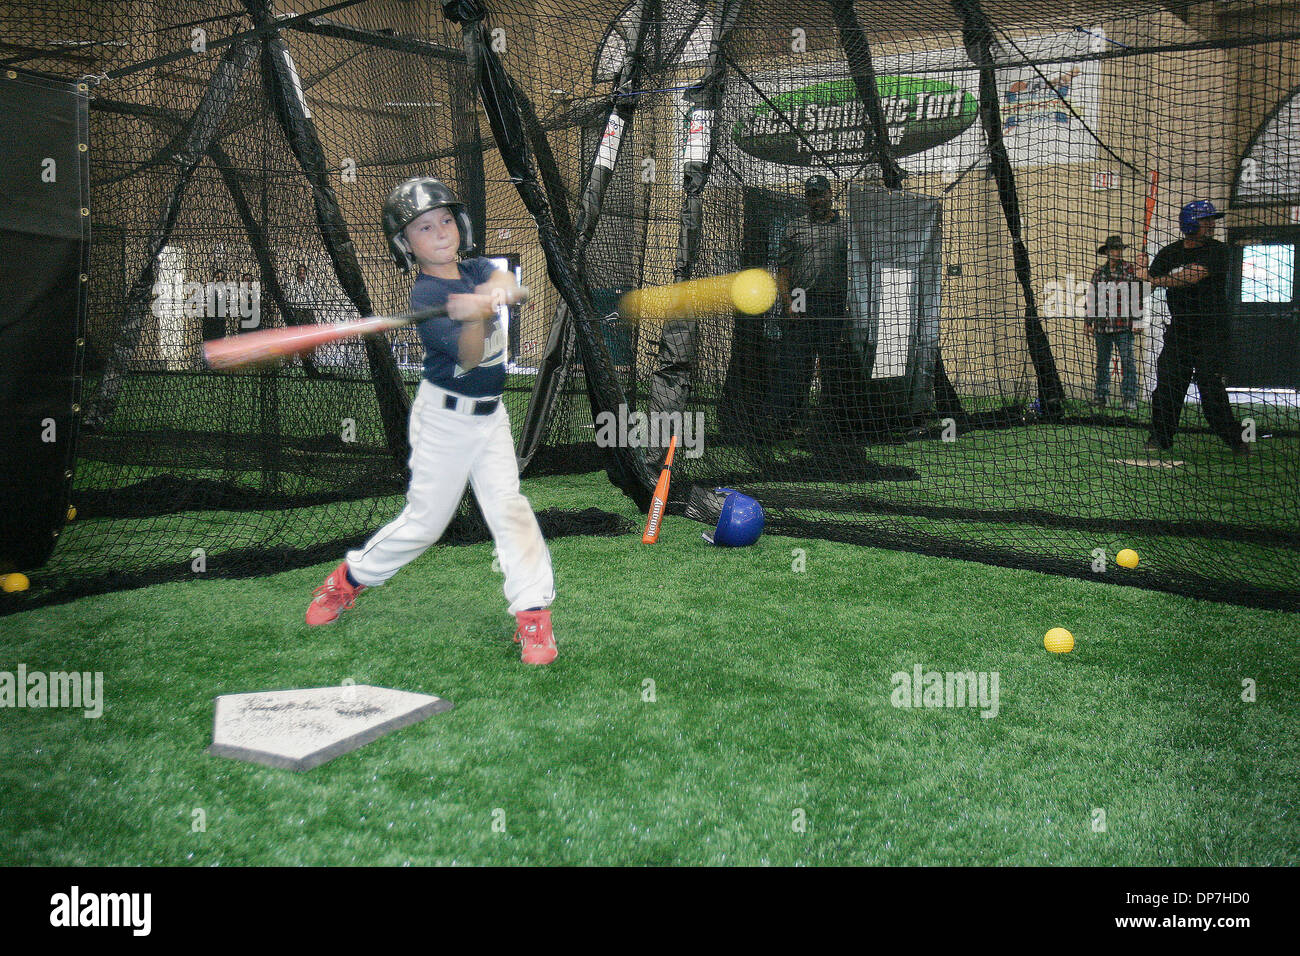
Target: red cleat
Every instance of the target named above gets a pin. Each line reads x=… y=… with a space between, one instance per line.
x=534 y=633
x=332 y=598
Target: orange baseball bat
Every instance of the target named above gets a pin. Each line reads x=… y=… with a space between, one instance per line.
x=654 y=518
x=1151 y=207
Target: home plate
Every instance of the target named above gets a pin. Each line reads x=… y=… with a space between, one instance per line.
x=1147 y=462
x=302 y=729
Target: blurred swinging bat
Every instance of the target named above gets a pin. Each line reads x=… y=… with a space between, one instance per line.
x=269 y=345
x=752 y=291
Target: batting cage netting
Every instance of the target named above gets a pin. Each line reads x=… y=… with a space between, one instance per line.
x=967 y=355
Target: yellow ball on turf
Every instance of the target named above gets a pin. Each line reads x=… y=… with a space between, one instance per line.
x=15 y=582
x=753 y=291
x=1128 y=558
x=1059 y=641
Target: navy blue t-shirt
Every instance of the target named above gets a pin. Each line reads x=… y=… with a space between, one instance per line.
x=441 y=335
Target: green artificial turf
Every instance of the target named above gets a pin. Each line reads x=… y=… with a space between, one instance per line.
x=772 y=705
x=1040 y=494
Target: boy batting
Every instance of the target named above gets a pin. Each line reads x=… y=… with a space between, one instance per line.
x=459 y=429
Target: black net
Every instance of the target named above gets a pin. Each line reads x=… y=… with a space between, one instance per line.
x=960 y=381
x=940 y=371
x=220 y=204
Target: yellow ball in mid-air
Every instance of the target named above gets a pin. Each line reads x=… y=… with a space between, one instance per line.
x=753 y=291
x=72 y=512
x=1128 y=558
x=14 y=582
x=1059 y=641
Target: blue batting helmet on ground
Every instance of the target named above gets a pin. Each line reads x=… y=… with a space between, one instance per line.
x=740 y=523
x=1189 y=220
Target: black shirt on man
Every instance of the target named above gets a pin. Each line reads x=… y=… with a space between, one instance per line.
x=1205 y=303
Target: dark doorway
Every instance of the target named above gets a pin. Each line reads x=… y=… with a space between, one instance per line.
x=1262 y=292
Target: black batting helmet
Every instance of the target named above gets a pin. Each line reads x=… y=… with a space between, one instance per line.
x=413 y=198
x=816 y=185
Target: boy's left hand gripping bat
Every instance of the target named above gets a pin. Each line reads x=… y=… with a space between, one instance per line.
x=269 y=345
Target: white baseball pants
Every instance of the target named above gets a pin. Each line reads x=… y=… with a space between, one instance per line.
x=448 y=449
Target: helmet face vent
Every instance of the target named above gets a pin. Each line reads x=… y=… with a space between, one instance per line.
x=413 y=198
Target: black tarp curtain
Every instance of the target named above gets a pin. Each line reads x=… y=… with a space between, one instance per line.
x=45 y=234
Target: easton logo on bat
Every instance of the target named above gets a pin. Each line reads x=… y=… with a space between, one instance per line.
x=920 y=114
x=656 y=515
x=659 y=501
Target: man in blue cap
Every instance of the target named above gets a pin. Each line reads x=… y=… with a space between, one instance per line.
x=1194 y=270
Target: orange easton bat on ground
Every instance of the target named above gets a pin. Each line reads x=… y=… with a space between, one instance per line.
x=654 y=518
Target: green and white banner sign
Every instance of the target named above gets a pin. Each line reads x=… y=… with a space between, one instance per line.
x=810 y=116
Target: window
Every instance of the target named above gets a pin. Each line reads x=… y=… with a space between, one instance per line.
x=1267 y=272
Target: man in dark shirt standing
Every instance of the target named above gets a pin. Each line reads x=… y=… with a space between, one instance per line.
x=812 y=281
x=1195 y=271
